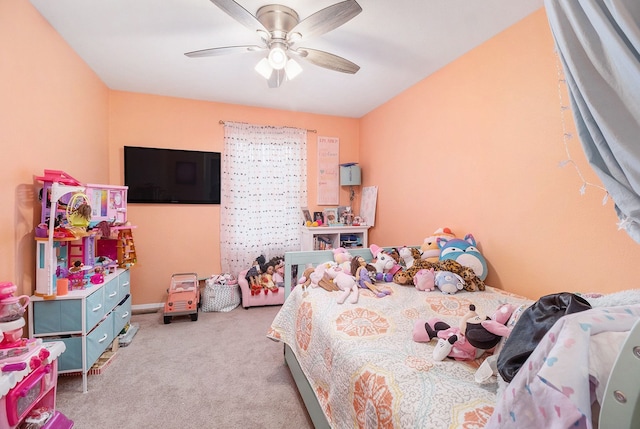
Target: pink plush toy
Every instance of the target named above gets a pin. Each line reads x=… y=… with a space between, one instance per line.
x=343 y=258
x=470 y=340
x=425 y=279
x=346 y=283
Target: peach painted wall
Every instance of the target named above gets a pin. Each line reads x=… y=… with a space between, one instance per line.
x=477 y=148
x=53 y=114
x=186 y=238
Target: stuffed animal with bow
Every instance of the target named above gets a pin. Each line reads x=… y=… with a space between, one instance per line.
x=471 y=339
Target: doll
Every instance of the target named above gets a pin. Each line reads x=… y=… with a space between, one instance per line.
x=266 y=281
x=259 y=266
x=277 y=262
x=360 y=270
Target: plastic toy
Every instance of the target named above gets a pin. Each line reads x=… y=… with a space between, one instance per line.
x=183 y=297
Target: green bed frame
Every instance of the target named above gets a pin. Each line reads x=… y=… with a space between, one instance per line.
x=620 y=408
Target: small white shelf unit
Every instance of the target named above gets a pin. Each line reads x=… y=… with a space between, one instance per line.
x=332 y=237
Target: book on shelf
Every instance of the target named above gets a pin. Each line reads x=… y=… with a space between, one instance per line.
x=322 y=242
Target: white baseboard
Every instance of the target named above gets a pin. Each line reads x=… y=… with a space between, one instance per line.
x=147 y=308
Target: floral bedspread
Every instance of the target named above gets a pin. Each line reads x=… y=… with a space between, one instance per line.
x=366 y=370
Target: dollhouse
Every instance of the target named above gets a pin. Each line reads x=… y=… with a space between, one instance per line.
x=84 y=251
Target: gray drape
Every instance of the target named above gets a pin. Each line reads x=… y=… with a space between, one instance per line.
x=598 y=42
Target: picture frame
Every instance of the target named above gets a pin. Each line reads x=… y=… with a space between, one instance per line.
x=331 y=216
x=341 y=211
x=318 y=216
x=306 y=214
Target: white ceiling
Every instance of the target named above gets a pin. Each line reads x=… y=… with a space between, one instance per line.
x=138 y=46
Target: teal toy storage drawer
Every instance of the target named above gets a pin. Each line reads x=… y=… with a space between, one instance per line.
x=71 y=358
x=95 y=308
x=121 y=315
x=124 y=281
x=55 y=316
x=99 y=339
x=111 y=294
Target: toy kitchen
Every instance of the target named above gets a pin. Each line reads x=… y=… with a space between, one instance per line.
x=28 y=370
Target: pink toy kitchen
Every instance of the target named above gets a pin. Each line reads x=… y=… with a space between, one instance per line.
x=28 y=370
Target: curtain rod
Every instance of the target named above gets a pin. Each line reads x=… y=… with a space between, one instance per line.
x=221 y=122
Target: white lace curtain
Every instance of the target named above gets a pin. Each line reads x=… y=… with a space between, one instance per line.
x=264 y=187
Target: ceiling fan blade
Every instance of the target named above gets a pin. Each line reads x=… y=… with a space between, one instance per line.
x=327 y=19
x=240 y=14
x=276 y=79
x=214 y=52
x=327 y=60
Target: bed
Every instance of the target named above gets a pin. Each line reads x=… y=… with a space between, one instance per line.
x=356 y=365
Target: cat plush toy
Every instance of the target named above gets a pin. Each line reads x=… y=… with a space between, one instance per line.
x=465 y=253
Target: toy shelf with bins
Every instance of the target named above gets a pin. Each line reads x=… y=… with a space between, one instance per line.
x=89 y=316
x=85 y=320
x=332 y=237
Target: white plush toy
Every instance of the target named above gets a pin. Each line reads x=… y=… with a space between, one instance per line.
x=347 y=284
x=406 y=254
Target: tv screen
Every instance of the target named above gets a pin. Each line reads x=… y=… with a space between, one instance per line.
x=171 y=176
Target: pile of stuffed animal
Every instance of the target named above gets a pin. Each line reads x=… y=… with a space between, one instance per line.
x=349 y=274
x=444 y=262
x=456 y=265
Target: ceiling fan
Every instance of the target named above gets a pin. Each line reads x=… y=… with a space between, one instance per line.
x=281 y=30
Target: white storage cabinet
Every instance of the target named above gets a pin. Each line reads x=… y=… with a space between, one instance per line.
x=86 y=320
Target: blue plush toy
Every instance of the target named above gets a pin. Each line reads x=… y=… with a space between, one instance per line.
x=465 y=253
x=448 y=282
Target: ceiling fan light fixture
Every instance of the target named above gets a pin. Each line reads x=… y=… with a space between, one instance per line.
x=277 y=56
x=264 y=69
x=292 y=69
x=293 y=37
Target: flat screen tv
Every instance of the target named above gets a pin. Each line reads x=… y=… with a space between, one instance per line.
x=171 y=176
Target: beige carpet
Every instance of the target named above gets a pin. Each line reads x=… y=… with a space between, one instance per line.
x=218 y=372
